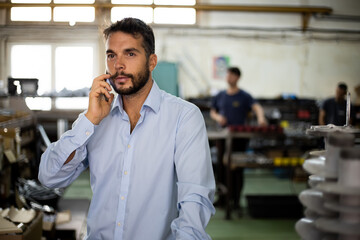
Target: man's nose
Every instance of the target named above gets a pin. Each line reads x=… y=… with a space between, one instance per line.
x=119 y=63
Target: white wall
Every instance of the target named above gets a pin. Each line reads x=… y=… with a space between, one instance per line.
x=284 y=60
x=305 y=67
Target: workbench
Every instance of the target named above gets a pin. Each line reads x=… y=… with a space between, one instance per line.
x=228 y=159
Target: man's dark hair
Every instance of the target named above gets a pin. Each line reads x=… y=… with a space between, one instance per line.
x=137 y=28
x=342 y=86
x=235 y=70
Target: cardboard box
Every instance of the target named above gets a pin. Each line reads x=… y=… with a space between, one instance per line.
x=32 y=232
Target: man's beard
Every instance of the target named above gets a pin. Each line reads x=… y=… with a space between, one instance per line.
x=138 y=82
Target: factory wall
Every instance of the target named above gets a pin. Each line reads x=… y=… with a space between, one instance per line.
x=273 y=53
x=270 y=67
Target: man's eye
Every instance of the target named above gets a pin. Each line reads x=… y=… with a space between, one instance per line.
x=131 y=54
x=110 y=56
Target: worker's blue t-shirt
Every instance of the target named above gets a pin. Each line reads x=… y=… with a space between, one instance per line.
x=335 y=112
x=234 y=107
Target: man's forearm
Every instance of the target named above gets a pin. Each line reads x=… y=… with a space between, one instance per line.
x=259 y=112
x=62 y=162
x=322 y=117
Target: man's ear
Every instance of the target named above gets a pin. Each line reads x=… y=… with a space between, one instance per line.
x=152 y=62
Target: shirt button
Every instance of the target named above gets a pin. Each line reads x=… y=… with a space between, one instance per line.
x=129 y=146
x=87 y=133
x=119 y=224
x=125 y=172
x=122 y=198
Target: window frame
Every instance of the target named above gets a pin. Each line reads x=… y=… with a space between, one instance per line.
x=54 y=44
x=97 y=20
x=51 y=22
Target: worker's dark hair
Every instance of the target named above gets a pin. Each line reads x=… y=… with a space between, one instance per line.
x=235 y=70
x=342 y=86
x=137 y=28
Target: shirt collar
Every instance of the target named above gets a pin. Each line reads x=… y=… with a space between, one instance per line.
x=152 y=101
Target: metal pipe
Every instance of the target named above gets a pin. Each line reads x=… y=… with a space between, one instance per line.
x=348 y=107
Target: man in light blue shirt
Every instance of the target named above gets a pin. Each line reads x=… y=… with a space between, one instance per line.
x=147 y=151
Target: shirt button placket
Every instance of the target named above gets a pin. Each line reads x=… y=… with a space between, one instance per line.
x=124 y=189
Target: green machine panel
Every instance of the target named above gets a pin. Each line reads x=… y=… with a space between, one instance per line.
x=165 y=75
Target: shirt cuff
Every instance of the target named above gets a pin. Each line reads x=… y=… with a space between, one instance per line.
x=82 y=130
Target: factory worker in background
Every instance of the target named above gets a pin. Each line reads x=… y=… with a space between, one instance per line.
x=333 y=110
x=232 y=107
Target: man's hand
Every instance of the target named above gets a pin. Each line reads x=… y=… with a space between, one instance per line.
x=262 y=122
x=220 y=119
x=256 y=107
x=99 y=108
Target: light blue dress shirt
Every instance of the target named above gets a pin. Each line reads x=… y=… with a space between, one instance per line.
x=154 y=183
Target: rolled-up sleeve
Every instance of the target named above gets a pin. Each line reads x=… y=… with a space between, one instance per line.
x=52 y=171
x=196 y=184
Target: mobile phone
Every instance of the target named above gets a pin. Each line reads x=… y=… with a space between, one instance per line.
x=106 y=98
x=110 y=82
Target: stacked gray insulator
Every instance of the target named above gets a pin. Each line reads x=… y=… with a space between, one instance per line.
x=332 y=203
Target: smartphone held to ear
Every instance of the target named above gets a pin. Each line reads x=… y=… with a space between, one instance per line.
x=106 y=98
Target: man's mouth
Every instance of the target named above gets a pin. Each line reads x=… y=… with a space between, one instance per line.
x=121 y=77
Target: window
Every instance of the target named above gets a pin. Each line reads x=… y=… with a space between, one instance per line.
x=77 y=1
x=74 y=14
x=36 y=103
x=174 y=15
x=158 y=14
x=143 y=13
x=30 y=14
x=60 y=14
x=57 y=67
x=145 y=2
x=73 y=67
x=32 y=61
x=30 y=1
x=175 y=2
